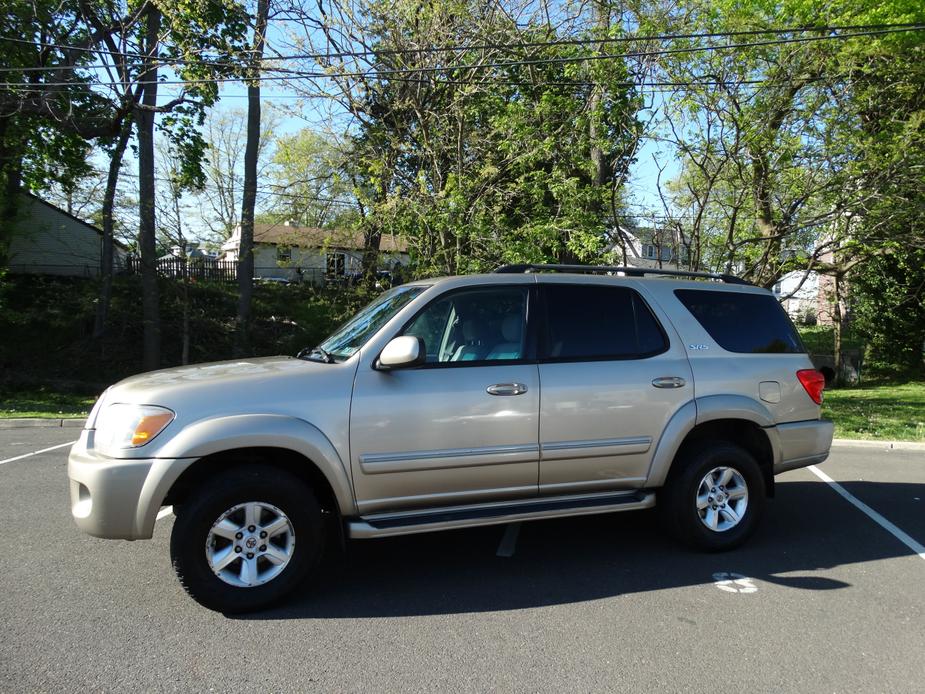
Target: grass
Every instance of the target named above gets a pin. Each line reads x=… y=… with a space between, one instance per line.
x=43 y=402
x=886 y=411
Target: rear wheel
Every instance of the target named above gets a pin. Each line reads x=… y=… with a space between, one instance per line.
x=715 y=497
x=247 y=540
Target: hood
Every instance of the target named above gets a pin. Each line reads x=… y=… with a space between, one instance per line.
x=268 y=385
x=183 y=377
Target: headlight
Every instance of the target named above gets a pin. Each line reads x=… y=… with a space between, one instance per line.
x=130 y=426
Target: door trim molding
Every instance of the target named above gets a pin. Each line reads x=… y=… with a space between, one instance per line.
x=447 y=458
x=594 y=448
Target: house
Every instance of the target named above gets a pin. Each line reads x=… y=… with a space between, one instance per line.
x=648 y=247
x=288 y=252
x=799 y=293
x=47 y=240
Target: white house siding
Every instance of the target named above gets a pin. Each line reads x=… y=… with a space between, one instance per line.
x=308 y=249
x=47 y=240
x=803 y=297
x=268 y=265
x=312 y=263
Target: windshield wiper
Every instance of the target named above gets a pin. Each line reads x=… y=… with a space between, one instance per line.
x=310 y=354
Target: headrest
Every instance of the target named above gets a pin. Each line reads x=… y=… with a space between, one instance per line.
x=470 y=330
x=512 y=327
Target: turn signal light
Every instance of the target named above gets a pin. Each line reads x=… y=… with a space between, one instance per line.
x=150 y=426
x=813 y=382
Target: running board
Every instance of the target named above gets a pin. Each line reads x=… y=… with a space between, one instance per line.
x=408 y=522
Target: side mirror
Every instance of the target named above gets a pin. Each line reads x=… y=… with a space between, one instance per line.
x=402 y=352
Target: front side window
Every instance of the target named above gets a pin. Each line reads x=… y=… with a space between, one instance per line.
x=588 y=322
x=482 y=325
x=355 y=332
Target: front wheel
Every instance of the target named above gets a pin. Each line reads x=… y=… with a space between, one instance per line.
x=247 y=539
x=715 y=498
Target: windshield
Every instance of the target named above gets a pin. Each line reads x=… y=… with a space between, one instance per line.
x=347 y=339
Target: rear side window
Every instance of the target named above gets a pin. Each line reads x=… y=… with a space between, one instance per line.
x=747 y=323
x=585 y=322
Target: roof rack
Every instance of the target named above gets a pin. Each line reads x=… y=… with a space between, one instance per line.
x=611 y=269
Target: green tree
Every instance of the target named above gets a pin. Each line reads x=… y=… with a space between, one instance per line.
x=776 y=175
x=888 y=307
x=490 y=152
x=310 y=182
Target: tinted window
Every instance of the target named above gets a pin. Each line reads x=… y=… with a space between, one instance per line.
x=473 y=326
x=597 y=322
x=752 y=323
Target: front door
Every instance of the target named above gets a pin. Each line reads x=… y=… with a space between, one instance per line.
x=461 y=428
x=611 y=381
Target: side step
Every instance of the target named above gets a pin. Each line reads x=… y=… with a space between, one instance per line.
x=431 y=520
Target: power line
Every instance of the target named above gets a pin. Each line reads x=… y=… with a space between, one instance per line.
x=648 y=87
x=167 y=61
x=607 y=56
x=516 y=83
x=491 y=46
x=261 y=191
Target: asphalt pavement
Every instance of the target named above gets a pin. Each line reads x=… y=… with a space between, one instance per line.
x=823 y=598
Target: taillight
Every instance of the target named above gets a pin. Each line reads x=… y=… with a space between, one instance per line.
x=813 y=382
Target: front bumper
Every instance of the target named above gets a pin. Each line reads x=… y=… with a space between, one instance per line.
x=804 y=443
x=115 y=498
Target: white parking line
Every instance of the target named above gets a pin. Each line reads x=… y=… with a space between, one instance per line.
x=899 y=534
x=509 y=540
x=164 y=512
x=44 y=450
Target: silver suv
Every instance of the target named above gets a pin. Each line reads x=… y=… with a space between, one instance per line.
x=533 y=392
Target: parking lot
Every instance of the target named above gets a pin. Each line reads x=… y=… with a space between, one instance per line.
x=822 y=599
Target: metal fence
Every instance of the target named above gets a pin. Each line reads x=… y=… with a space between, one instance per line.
x=213 y=270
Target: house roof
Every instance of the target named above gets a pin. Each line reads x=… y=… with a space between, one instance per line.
x=67 y=214
x=313 y=237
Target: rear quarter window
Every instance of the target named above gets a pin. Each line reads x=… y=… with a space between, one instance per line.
x=744 y=323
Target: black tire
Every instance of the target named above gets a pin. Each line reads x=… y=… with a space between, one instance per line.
x=242 y=485
x=677 y=500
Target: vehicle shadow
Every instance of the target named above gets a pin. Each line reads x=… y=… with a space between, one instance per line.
x=807 y=529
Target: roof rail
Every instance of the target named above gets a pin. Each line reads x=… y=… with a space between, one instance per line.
x=612 y=269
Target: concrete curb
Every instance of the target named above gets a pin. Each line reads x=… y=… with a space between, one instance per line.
x=43 y=423
x=882 y=445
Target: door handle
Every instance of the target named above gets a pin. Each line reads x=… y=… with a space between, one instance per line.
x=506 y=389
x=668 y=382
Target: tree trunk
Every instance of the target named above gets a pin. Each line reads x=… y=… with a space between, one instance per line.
x=185 y=337
x=10 y=180
x=372 y=241
x=109 y=199
x=598 y=162
x=598 y=165
x=837 y=329
x=249 y=198
x=144 y=119
x=370 y=264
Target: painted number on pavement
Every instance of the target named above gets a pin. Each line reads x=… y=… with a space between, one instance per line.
x=734 y=583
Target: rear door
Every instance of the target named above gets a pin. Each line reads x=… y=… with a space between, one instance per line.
x=612 y=377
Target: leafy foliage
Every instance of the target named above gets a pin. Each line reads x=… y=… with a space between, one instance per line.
x=311 y=186
x=478 y=167
x=53 y=321
x=793 y=154
x=889 y=306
